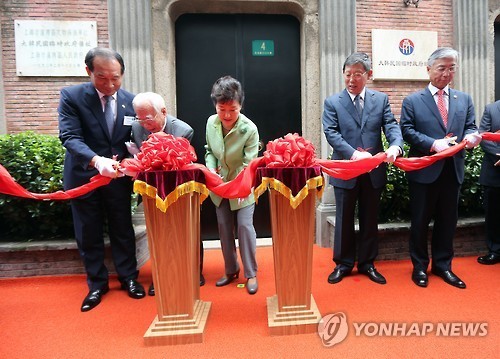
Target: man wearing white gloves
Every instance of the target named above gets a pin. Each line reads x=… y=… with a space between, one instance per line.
x=151 y=118
x=431 y=121
x=353 y=121
x=94 y=123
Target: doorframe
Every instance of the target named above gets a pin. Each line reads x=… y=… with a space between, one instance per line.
x=166 y=12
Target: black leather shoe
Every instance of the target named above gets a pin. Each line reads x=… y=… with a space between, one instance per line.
x=419 y=277
x=93 y=298
x=374 y=275
x=252 y=286
x=338 y=274
x=134 y=288
x=490 y=258
x=151 y=290
x=202 y=280
x=228 y=278
x=450 y=278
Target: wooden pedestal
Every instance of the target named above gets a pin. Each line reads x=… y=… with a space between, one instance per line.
x=293 y=309
x=174 y=246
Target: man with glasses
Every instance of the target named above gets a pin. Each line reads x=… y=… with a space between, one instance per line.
x=353 y=121
x=432 y=119
x=151 y=117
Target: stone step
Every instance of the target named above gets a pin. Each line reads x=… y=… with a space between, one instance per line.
x=393 y=238
x=26 y=259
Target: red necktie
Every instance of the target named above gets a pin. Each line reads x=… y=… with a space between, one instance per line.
x=442 y=107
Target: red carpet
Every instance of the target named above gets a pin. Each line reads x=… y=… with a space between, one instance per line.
x=40 y=317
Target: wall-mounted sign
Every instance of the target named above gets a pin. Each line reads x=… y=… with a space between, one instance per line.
x=262 y=48
x=402 y=54
x=53 y=48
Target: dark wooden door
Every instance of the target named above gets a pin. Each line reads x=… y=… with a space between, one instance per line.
x=263 y=53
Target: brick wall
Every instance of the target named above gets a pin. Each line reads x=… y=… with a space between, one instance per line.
x=435 y=15
x=31 y=102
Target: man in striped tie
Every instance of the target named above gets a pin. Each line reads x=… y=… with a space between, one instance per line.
x=94 y=122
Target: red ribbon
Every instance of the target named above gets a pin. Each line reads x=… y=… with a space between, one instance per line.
x=491 y=136
x=9 y=186
x=346 y=169
x=417 y=163
x=241 y=186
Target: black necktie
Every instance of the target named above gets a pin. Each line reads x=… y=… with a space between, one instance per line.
x=357 y=104
x=108 y=115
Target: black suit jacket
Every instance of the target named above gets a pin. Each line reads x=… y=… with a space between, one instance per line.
x=421 y=124
x=490 y=122
x=84 y=134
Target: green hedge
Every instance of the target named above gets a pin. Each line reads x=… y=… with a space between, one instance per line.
x=394 y=204
x=35 y=161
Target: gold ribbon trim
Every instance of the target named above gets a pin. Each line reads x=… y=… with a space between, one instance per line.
x=145 y=189
x=295 y=201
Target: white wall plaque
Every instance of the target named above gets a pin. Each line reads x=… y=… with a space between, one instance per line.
x=53 y=48
x=402 y=54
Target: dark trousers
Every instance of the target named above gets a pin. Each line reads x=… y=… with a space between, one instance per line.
x=438 y=200
x=111 y=202
x=368 y=199
x=492 y=218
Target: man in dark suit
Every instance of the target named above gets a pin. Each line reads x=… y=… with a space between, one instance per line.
x=94 y=123
x=152 y=117
x=490 y=179
x=353 y=121
x=431 y=120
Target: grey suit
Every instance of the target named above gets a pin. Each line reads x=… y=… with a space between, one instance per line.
x=490 y=177
x=346 y=132
x=174 y=126
x=434 y=190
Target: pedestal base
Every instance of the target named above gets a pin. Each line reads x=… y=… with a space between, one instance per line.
x=178 y=329
x=292 y=320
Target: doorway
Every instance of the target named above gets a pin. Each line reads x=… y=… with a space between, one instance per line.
x=497 y=58
x=263 y=53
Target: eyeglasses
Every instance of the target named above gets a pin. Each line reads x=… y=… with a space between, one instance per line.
x=147 y=119
x=442 y=69
x=354 y=76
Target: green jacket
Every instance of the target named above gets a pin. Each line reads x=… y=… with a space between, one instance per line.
x=229 y=155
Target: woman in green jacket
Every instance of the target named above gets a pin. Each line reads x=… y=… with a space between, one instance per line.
x=232 y=142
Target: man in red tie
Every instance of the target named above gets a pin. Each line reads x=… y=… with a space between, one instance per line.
x=432 y=120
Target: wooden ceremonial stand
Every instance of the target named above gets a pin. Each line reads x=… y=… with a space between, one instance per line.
x=293 y=309
x=174 y=246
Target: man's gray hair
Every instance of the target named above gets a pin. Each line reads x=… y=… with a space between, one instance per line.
x=151 y=98
x=442 y=53
x=358 y=58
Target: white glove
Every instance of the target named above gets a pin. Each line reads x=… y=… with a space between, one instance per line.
x=358 y=155
x=132 y=148
x=443 y=143
x=392 y=152
x=107 y=167
x=472 y=140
